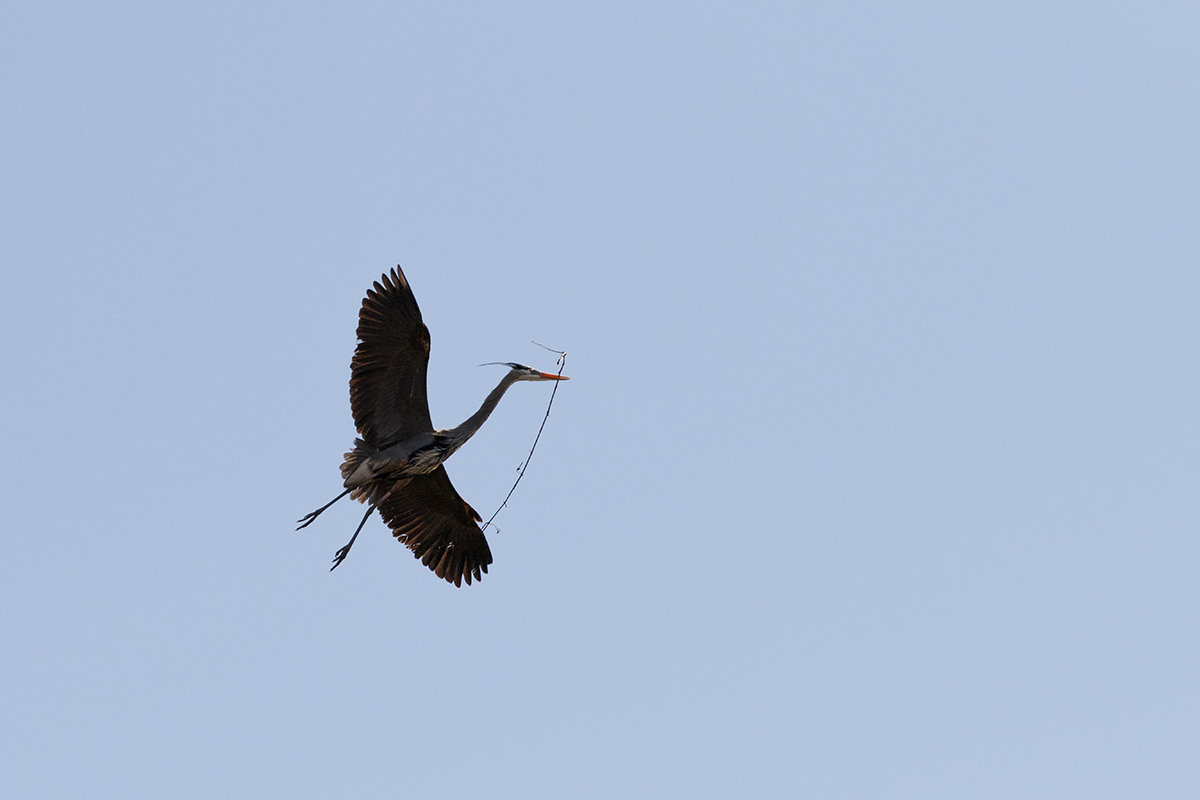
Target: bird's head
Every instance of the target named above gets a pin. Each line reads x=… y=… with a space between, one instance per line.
x=520 y=372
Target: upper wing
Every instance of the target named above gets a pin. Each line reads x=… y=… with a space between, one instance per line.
x=439 y=527
x=387 y=375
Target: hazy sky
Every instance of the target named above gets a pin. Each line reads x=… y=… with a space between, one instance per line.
x=876 y=477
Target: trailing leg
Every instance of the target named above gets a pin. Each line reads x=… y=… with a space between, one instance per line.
x=308 y=519
x=340 y=556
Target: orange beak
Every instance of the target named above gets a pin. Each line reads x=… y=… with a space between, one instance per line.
x=549 y=377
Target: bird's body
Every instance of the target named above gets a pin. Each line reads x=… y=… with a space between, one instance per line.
x=396 y=463
x=416 y=456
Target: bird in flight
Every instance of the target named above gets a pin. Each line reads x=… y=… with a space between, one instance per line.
x=396 y=463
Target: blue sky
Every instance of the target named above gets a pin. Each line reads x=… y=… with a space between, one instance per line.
x=875 y=478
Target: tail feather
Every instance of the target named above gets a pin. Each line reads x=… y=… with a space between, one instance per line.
x=351 y=462
x=353 y=458
x=369 y=486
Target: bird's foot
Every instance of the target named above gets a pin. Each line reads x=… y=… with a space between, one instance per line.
x=340 y=557
x=308 y=519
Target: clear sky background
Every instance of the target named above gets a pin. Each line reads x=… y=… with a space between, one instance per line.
x=876 y=478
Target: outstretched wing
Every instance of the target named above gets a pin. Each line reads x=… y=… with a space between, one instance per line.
x=387 y=374
x=439 y=527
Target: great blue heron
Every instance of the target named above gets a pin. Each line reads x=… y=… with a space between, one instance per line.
x=396 y=463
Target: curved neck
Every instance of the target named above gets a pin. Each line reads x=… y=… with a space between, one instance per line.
x=458 y=436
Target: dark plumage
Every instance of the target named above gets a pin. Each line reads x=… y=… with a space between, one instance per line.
x=396 y=463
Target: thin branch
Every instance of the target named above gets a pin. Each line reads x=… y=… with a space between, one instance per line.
x=562 y=363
